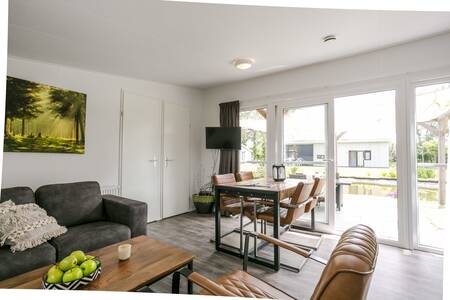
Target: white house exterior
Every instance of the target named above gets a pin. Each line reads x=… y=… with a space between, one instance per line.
x=363 y=154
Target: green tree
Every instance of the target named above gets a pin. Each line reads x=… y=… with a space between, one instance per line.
x=71 y=105
x=22 y=101
x=255 y=141
x=427 y=151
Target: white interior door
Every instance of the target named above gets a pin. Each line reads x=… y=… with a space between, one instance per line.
x=141 y=151
x=176 y=160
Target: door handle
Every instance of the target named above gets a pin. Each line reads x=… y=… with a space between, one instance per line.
x=154 y=161
x=167 y=161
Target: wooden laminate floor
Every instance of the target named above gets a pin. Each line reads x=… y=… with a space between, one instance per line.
x=397 y=275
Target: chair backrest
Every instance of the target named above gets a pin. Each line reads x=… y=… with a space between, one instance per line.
x=316 y=190
x=349 y=270
x=223 y=179
x=300 y=195
x=244 y=175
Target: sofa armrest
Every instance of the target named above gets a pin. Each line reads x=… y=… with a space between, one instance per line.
x=127 y=212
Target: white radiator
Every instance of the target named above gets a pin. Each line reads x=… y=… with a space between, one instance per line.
x=110 y=190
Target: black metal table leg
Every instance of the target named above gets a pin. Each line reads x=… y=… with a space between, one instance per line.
x=313 y=219
x=241 y=220
x=176 y=282
x=217 y=218
x=190 y=284
x=338 y=197
x=276 y=227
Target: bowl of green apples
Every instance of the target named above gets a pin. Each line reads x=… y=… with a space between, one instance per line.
x=72 y=272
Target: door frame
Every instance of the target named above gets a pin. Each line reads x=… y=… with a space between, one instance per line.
x=160 y=163
x=328 y=225
x=327 y=97
x=398 y=85
x=411 y=86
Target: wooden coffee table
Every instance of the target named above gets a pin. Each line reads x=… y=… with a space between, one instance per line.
x=150 y=261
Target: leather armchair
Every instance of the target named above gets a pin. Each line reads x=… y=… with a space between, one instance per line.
x=347 y=274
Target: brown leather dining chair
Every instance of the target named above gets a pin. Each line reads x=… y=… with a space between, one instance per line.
x=310 y=207
x=289 y=210
x=303 y=201
x=316 y=194
x=229 y=204
x=232 y=204
x=347 y=274
x=244 y=175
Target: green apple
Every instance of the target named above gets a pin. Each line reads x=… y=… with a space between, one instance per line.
x=68 y=263
x=89 y=257
x=88 y=267
x=79 y=255
x=54 y=275
x=72 y=275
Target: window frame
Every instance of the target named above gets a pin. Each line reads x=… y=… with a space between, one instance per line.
x=244 y=108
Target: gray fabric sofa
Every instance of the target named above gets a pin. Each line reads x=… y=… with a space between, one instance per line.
x=93 y=221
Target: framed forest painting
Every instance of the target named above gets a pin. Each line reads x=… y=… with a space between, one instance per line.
x=43 y=118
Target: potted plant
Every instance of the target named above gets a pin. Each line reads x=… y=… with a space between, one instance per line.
x=204 y=200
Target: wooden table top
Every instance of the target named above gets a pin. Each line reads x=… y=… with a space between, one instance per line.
x=150 y=261
x=266 y=185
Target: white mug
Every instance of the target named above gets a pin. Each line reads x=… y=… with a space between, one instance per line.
x=124 y=251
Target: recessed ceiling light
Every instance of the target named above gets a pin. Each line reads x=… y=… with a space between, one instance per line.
x=328 y=38
x=243 y=63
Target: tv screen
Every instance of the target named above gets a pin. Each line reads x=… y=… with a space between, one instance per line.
x=223 y=138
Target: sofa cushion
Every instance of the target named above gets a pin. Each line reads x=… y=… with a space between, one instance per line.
x=72 y=203
x=18 y=195
x=13 y=264
x=89 y=237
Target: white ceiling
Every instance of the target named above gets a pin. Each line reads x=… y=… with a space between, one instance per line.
x=193 y=44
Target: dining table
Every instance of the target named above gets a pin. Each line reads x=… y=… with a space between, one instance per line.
x=263 y=188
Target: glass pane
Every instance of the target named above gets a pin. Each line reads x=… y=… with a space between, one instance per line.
x=432 y=113
x=305 y=147
x=254 y=139
x=366 y=183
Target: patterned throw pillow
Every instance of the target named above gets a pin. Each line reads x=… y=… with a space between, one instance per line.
x=26 y=226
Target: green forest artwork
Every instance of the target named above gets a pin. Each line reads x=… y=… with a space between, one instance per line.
x=43 y=118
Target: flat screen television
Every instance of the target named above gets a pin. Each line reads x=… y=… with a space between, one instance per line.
x=223 y=138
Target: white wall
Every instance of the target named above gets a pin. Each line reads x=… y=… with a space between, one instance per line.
x=399 y=61
x=100 y=162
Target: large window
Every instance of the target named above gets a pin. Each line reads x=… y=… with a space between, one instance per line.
x=254 y=141
x=432 y=116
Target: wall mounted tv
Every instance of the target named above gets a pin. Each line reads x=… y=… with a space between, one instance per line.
x=223 y=138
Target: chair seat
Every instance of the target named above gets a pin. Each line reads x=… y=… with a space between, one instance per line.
x=266 y=214
x=245 y=285
x=89 y=237
x=235 y=208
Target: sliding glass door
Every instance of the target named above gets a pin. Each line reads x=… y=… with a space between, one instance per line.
x=305 y=148
x=367 y=145
x=366 y=162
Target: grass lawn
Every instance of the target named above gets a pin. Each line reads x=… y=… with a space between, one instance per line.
x=43 y=144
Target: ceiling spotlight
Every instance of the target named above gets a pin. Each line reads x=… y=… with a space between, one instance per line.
x=330 y=37
x=243 y=63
